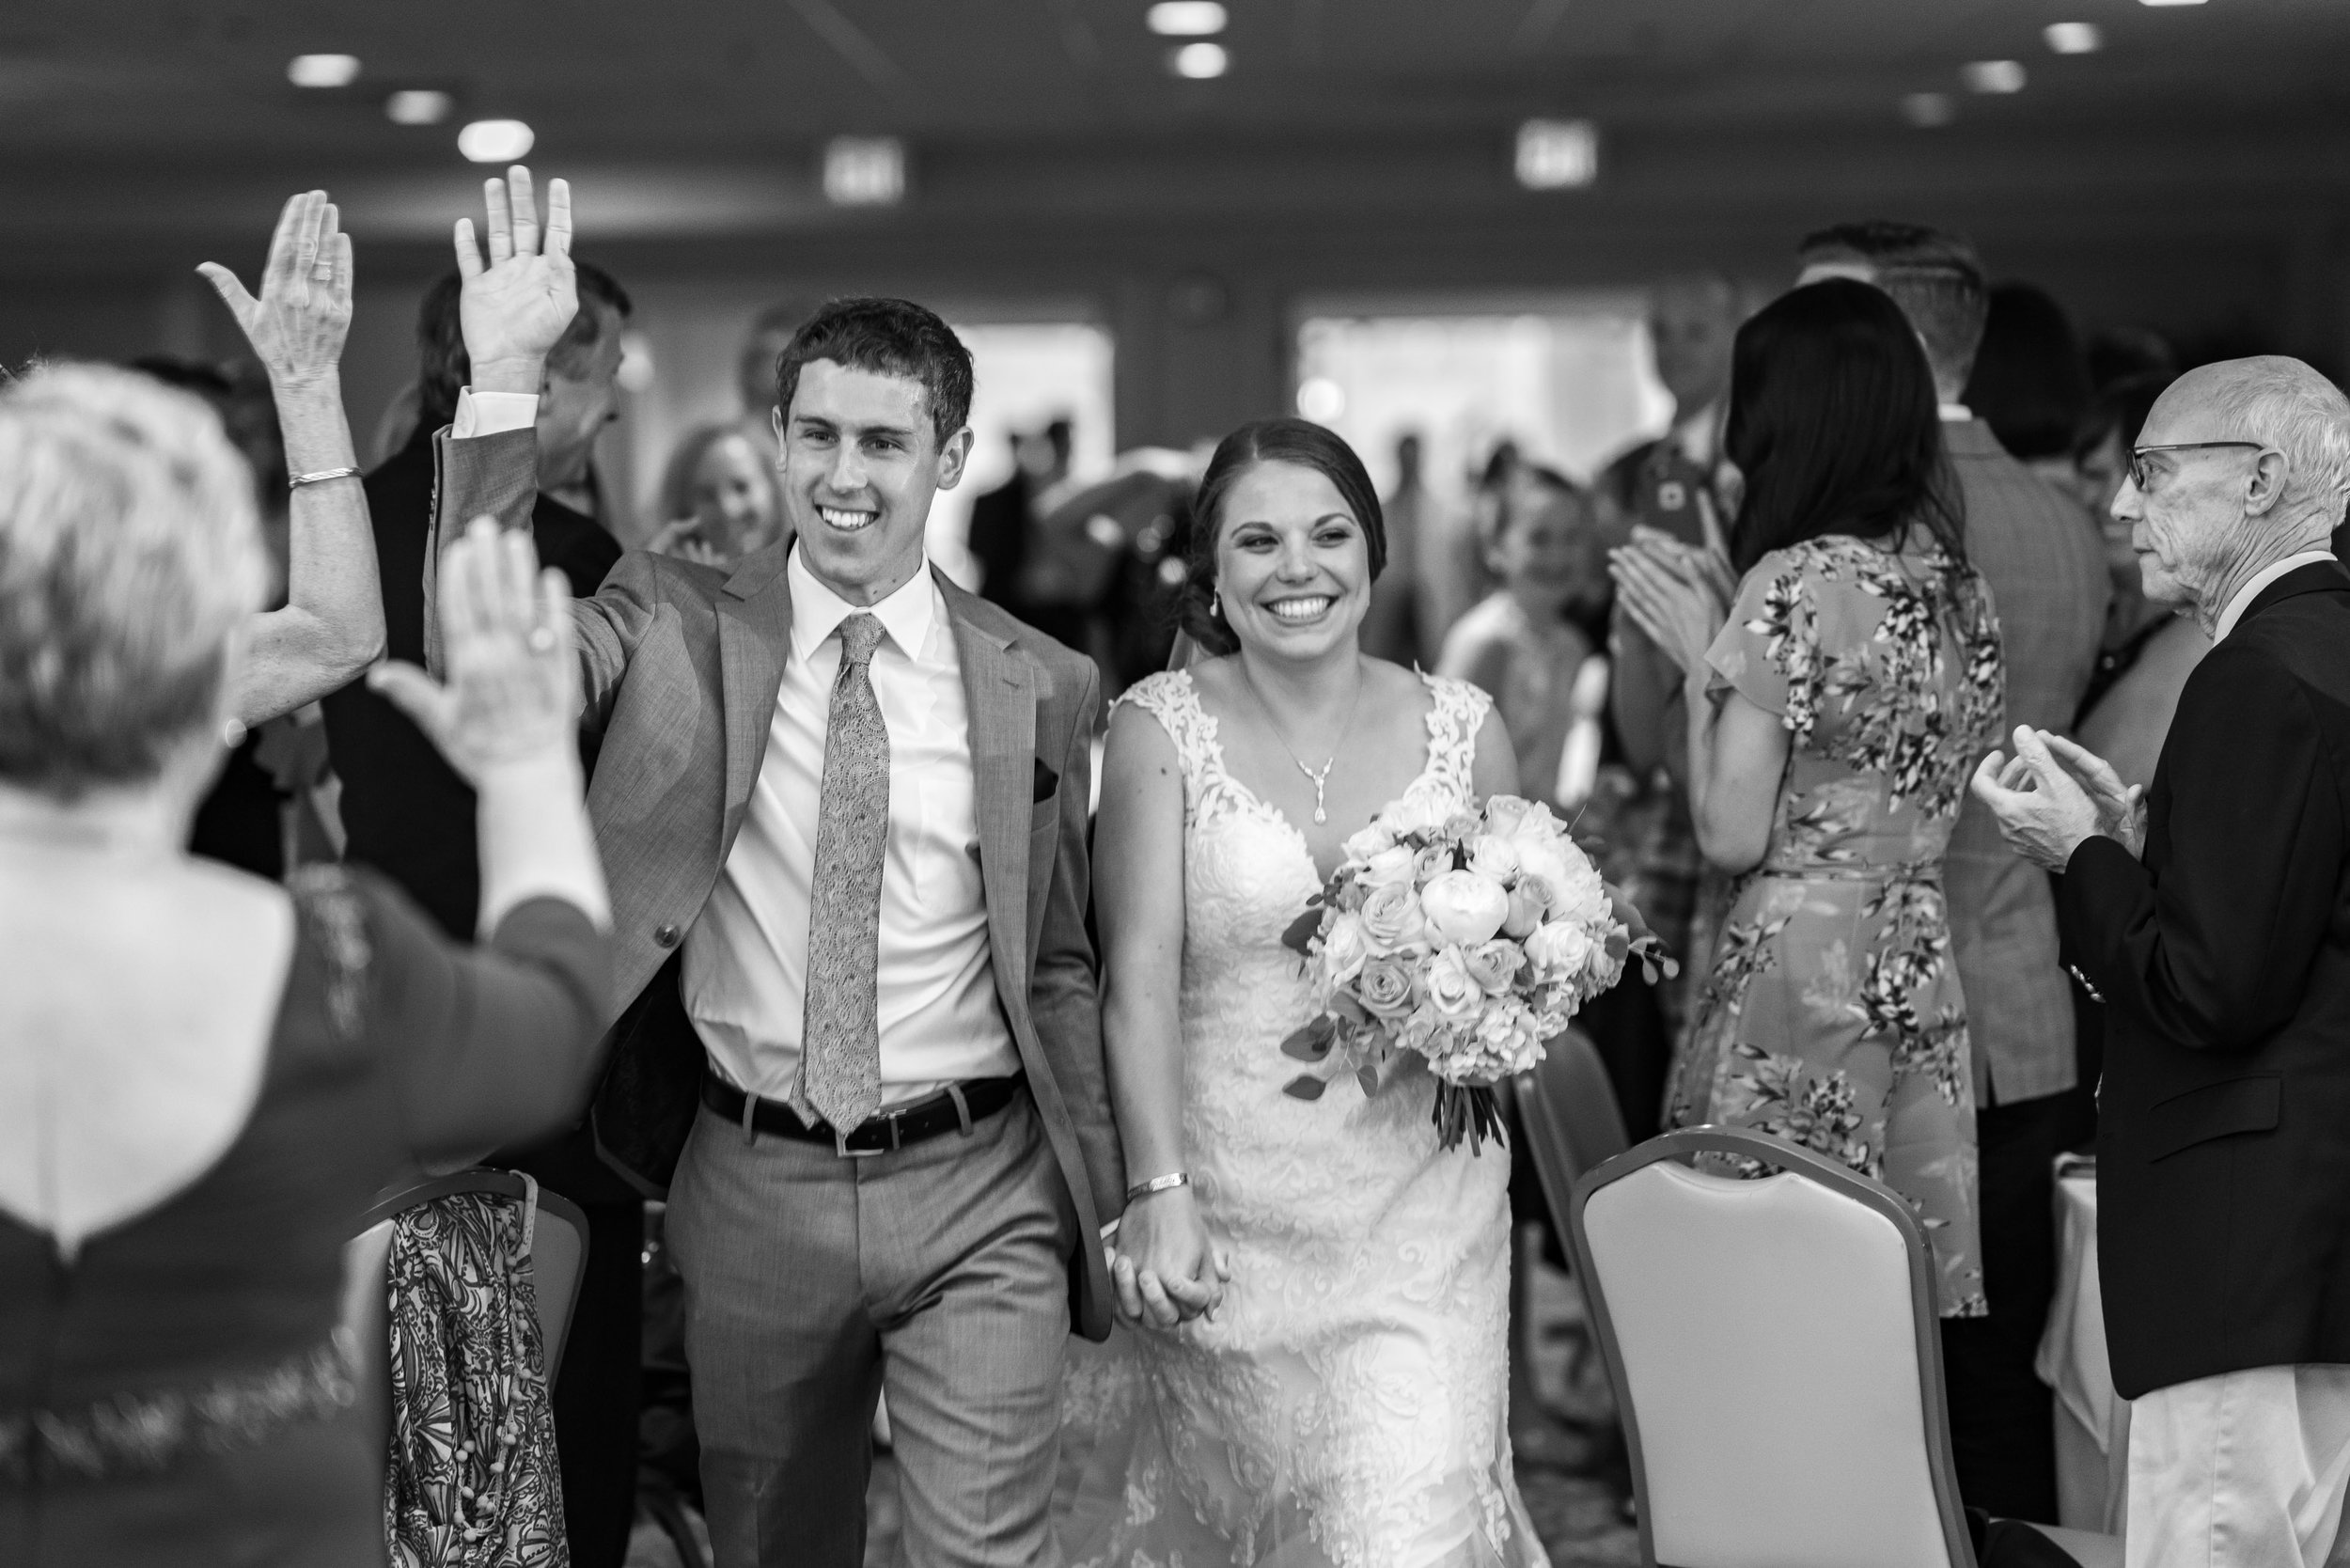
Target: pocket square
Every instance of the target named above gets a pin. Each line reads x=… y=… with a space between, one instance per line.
x=1047 y=782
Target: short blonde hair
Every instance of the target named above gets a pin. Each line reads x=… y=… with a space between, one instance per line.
x=128 y=554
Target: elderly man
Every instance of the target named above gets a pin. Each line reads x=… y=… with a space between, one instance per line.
x=2213 y=919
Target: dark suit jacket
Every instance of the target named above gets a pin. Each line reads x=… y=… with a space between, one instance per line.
x=407 y=813
x=679 y=666
x=2223 y=1155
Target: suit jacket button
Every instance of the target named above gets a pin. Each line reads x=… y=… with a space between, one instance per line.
x=665 y=935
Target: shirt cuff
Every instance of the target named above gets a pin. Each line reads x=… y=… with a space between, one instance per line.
x=480 y=414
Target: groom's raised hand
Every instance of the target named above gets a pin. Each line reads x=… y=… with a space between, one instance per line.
x=515 y=307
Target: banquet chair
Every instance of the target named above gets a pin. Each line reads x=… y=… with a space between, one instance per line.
x=558 y=1254
x=1775 y=1354
x=1568 y=1115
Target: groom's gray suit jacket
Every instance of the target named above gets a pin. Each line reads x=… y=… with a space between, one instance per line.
x=680 y=665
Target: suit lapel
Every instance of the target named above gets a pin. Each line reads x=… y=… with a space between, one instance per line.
x=998 y=691
x=754 y=642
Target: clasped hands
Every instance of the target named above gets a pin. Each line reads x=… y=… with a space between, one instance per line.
x=2052 y=795
x=1164 y=1268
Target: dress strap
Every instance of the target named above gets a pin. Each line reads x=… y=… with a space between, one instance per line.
x=1169 y=696
x=1458 y=714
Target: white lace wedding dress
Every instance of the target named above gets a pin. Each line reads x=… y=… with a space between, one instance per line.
x=1347 y=1406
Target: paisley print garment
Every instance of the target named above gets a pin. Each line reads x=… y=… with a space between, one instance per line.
x=1346 y=1406
x=1832 y=1015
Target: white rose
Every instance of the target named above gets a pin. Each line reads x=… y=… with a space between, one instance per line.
x=1395 y=863
x=1464 y=907
x=1343 y=949
x=1414 y=813
x=1492 y=856
x=1452 y=991
x=1558 y=950
x=1368 y=843
x=1581 y=895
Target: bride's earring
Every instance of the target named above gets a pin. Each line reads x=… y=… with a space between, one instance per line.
x=1215 y=603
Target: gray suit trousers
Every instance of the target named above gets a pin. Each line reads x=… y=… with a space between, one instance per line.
x=813 y=1281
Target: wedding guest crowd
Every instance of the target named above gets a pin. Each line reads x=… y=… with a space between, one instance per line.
x=841 y=1004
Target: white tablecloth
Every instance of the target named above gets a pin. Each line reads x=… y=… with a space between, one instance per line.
x=2092 y=1422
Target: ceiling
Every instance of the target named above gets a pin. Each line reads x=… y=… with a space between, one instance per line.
x=194 y=82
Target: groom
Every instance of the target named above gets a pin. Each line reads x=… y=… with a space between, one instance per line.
x=842 y=805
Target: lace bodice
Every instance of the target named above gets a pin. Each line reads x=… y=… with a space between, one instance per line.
x=1351 y=1390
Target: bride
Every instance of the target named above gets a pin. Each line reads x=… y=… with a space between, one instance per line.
x=1317 y=1372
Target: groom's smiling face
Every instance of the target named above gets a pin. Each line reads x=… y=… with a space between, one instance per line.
x=861 y=461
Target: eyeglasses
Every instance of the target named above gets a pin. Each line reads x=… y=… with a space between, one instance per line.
x=2137 y=454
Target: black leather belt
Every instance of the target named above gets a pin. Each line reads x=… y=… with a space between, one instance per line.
x=951 y=1110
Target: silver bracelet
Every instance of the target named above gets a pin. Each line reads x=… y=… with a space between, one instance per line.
x=295 y=481
x=1158 y=1184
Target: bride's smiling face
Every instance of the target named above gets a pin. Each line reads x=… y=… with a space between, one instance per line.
x=1292 y=563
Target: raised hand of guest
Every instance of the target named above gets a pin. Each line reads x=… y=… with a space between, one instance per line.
x=331 y=627
x=683 y=541
x=2044 y=811
x=1164 y=1269
x=1671 y=599
x=512 y=694
x=514 y=306
x=298 y=324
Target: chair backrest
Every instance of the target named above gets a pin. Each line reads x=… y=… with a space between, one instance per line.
x=558 y=1255
x=1775 y=1348
x=1568 y=1115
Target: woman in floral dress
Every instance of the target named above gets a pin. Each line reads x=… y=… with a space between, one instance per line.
x=1836 y=707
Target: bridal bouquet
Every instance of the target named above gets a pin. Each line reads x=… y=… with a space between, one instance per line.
x=1466 y=941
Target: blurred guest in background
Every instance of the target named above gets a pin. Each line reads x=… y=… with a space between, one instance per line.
x=203 y=1080
x=719 y=498
x=2046 y=569
x=1004 y=520
x=1662 y=484
x=1451 y=557
x=2030 y=382
x=409 y=815
x=1519 y=644
x=770 y=334
x=1391 y=625
x=1836 y=706
x=2117 y=352
x=2149 y=649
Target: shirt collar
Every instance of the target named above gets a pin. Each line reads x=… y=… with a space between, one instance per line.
x=2250 y=591
x=816 y=612
x=1956 y=414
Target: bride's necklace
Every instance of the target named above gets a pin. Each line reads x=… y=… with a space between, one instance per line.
x=1320 y=777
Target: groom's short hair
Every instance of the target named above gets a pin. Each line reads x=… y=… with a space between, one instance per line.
x=887 y=337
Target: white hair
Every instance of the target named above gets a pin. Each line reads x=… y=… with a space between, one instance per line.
x=130 y=552
x=2284 y=404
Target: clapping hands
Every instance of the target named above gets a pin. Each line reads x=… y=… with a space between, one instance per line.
x=298 y=325
x=513 y=678
x=514 y=308
x=1679 y=594
x=2053 y=794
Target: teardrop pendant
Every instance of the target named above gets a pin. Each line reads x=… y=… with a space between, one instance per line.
x=1322 y=813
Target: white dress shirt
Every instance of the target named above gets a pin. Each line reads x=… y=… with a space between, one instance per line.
x=746 y=955
x=2250 y=591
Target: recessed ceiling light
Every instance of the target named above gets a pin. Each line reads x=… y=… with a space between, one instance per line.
x=1201 y=61
x=865 y=171
x=323 y=71
x=1993 y=75
x=1185 y=19
x=1321 y=399
x=419 y=107
x=2073 y=37
x=1556 y=154
x=1929 y=111
x=2169 y=2
x=495 y=141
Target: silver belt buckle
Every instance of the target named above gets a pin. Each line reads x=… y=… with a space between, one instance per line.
x=840 y=1147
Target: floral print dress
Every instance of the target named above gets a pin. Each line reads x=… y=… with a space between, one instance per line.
x=1833 y=1016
